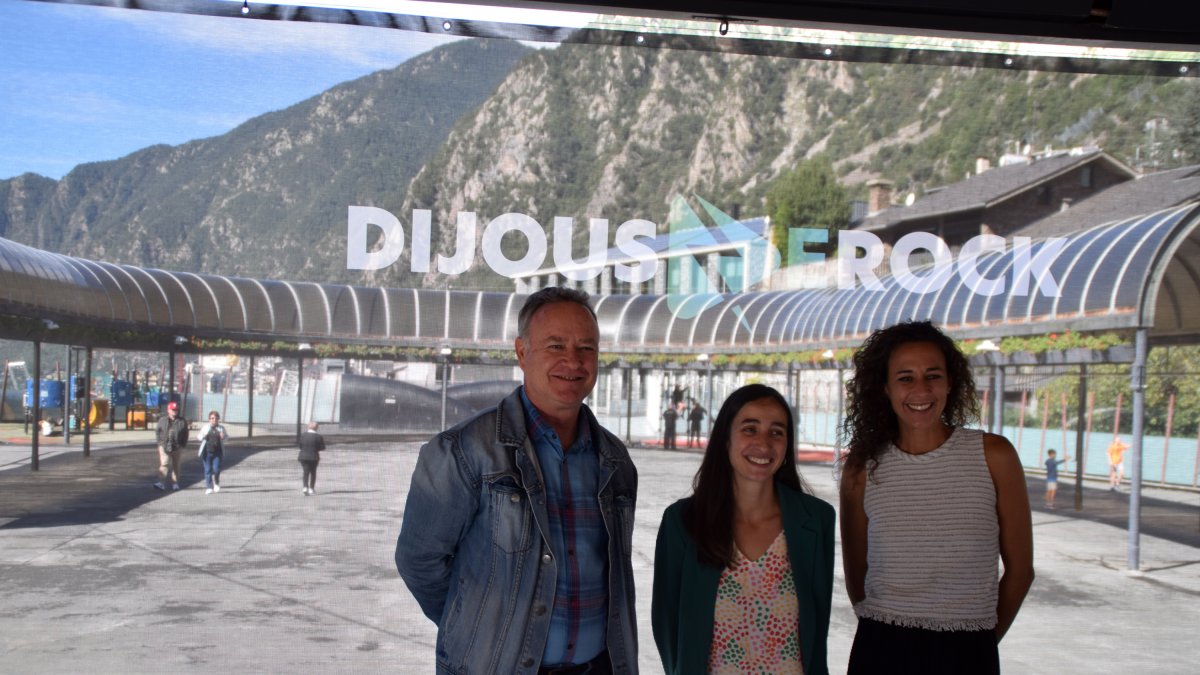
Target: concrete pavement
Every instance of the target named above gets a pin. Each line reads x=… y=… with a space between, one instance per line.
x=103 y=574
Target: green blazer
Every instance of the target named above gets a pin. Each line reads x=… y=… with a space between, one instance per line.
x=685 y=590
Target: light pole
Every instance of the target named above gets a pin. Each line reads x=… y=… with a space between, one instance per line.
x=445 y=353
x=996 y=419
x=704 y=358
x=300 y=351
x=841 y=404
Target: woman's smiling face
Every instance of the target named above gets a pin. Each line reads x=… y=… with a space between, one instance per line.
x=917 y=385
x=758 y=440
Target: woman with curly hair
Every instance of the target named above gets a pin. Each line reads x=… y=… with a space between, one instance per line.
x=927 y=508
x=743 y=569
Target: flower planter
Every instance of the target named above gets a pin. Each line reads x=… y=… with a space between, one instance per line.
x=1022 y=359
x=1120 y=354
x=1081 y=355
x=1052 y=357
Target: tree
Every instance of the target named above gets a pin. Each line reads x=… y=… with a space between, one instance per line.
x=1186 y=126
x=808 y=196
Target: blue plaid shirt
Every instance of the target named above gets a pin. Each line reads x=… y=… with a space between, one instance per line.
x=577 y=538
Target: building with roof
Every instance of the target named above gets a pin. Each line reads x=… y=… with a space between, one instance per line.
x=1146 y=193
x=1000 y=200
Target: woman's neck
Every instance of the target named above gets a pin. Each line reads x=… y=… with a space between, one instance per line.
x=921 y=441
x=755 y=502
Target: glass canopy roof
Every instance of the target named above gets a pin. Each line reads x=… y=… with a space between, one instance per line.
x=1139 y=272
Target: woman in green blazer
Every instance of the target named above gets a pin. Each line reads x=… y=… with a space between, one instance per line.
x=743 y=569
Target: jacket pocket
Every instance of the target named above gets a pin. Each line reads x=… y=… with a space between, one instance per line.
x=511 y=515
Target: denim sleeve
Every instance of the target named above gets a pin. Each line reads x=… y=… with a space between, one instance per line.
x=441 y=503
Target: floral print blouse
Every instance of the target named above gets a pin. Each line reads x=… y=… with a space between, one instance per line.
x=756 y=627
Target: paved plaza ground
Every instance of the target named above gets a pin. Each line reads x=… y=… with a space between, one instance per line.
x=100 y=573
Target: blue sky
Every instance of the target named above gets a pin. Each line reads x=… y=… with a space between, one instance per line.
x=82 y=84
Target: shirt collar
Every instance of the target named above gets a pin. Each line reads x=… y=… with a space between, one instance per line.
x=539 y=429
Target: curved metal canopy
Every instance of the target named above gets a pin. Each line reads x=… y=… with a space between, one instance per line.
x=1134 y=273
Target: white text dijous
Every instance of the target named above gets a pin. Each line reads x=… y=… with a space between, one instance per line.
x=859 y=253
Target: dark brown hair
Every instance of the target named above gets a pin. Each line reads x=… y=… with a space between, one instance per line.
x=709 y=516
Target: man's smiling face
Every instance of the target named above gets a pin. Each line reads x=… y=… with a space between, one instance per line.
x=559 y=357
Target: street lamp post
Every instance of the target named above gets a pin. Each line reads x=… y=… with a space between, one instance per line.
x=704 y=358
x=445 y=353
x=996 y=419
x=841 y=404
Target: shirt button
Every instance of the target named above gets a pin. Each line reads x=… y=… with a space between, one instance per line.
x=514 y=498
x=546 y=558
x=526 y=662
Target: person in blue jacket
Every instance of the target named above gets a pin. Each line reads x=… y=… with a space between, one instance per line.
x=743 y=569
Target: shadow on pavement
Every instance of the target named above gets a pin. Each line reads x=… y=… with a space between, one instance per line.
x=1176 y=521
x=70 y=489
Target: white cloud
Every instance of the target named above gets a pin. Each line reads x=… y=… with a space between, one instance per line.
x=359 y=46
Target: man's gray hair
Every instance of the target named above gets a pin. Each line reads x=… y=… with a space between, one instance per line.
x=549 y=296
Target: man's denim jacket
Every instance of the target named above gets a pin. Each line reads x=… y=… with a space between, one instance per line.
x=474 y=551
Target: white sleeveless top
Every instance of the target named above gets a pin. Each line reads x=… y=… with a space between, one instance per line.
x=933 y=538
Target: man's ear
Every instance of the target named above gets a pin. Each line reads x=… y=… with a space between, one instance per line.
x=519 y=347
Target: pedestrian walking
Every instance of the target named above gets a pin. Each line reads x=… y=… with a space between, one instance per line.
x=212 y=452
x=172 y=436
x=312 y=444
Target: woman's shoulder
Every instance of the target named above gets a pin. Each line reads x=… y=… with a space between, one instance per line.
x=791 y=498
x=676 y=510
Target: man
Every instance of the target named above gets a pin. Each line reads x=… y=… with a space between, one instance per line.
x=312 y=444
x=518 y=526
x=695 y=417
x=172 y=436
x=670 y=415
x=1116 y=463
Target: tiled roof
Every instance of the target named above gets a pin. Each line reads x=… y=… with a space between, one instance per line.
x=986 y=189
x=1148 y=193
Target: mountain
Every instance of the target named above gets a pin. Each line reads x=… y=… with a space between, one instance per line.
x=585 y=131
x=269 y=198
x=615 y=132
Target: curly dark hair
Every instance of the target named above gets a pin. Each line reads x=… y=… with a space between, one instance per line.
x=870 y=423
x=709 y=516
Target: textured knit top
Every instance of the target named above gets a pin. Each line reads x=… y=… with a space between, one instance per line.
x=933 y=538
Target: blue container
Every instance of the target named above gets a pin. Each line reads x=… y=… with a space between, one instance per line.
x=121 y=393
x=51 y=394
x=152 y=397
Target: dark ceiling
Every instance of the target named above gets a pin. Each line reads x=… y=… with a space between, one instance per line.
x=1164 y=24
